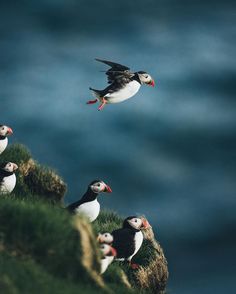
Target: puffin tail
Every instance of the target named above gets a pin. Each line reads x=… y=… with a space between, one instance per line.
x=96 y=93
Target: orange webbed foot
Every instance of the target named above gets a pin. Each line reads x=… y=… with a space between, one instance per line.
x=102 y=105
x=92 y=101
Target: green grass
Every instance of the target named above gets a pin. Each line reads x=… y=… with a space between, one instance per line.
x=43 y=249
x=16 y=153
x=46 y=241
x=19 y=276
x=33 y=180
x=47 y=235
x=63 y=248
x=107 y=221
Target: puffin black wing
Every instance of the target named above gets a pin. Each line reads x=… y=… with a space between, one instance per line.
x=4 y=174
x=123 y=242
x=118 y=73
x=113 y=64
x=71 y=208
x=1 y=177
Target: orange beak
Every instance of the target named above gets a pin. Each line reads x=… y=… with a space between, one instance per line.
x=99 y=238
x=15 y=166
x=9 y=131
x=113 y=251
x=146 y=224
x=107 y=189
x=152 y=83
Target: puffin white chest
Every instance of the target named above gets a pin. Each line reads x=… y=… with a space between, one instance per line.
x=8 y=184
x=105 y=262
x=90 y=209
x=138 y=241
x=123 y=94
x=110 y=259
x=3 y=144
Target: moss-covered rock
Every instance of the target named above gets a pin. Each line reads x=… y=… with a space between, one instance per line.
x=19 y=276
x=44 y=182
x=50 y=237
x=33 y=179
x=43 y=249
x=153 y=273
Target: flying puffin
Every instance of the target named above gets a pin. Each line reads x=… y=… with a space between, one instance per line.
x=128 y=240
x=108 y=254
x=4 y=132
x=7 y=177
x=123 y=84
x=88 y=204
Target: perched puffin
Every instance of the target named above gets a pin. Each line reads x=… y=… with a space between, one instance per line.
x=128 y=240
x=123 y=84
x=108 y=254
x=88 y=204
x=7 y=177
x=4 y=132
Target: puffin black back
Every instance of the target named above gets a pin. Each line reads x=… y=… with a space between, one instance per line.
x=89 y=196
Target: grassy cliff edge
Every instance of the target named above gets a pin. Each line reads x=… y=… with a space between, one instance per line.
x=43 y=249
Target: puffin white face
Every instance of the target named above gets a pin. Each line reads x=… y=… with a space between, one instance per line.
x=10 y=167
x=139 y=223
x=145 y=78
x=135 y=222
x=107 y=250
x=5 y=130
x=105 y=238
x=99 y=187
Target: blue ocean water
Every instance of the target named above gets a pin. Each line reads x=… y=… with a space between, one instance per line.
x=169 y=152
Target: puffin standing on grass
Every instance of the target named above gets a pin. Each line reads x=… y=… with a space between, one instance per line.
x=108 y=254
x=7 y=177
x=4 y=132
x=128 y=240
x=88 y=204
x=123 y=84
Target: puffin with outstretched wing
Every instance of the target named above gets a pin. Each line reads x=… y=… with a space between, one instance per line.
x=123 y=84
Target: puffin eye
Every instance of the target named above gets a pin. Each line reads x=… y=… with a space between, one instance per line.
x=98 y=185
x=105 y=235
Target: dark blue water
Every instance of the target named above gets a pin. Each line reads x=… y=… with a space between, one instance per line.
x=169 y=152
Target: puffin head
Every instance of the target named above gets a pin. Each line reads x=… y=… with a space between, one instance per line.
x=98 y=186
x=145 y=78
x=9 y=167
x=105 y=238
x=107 y=250
x=5 y=131
x=137 y=223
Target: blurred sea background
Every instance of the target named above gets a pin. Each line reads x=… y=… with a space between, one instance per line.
x=169 y=152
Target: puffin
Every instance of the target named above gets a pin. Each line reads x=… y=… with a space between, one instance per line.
x=88 y=204
x=128 y=240
x=108 y=254
x=5 y=131
x=123 y=84
x=7 y=177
